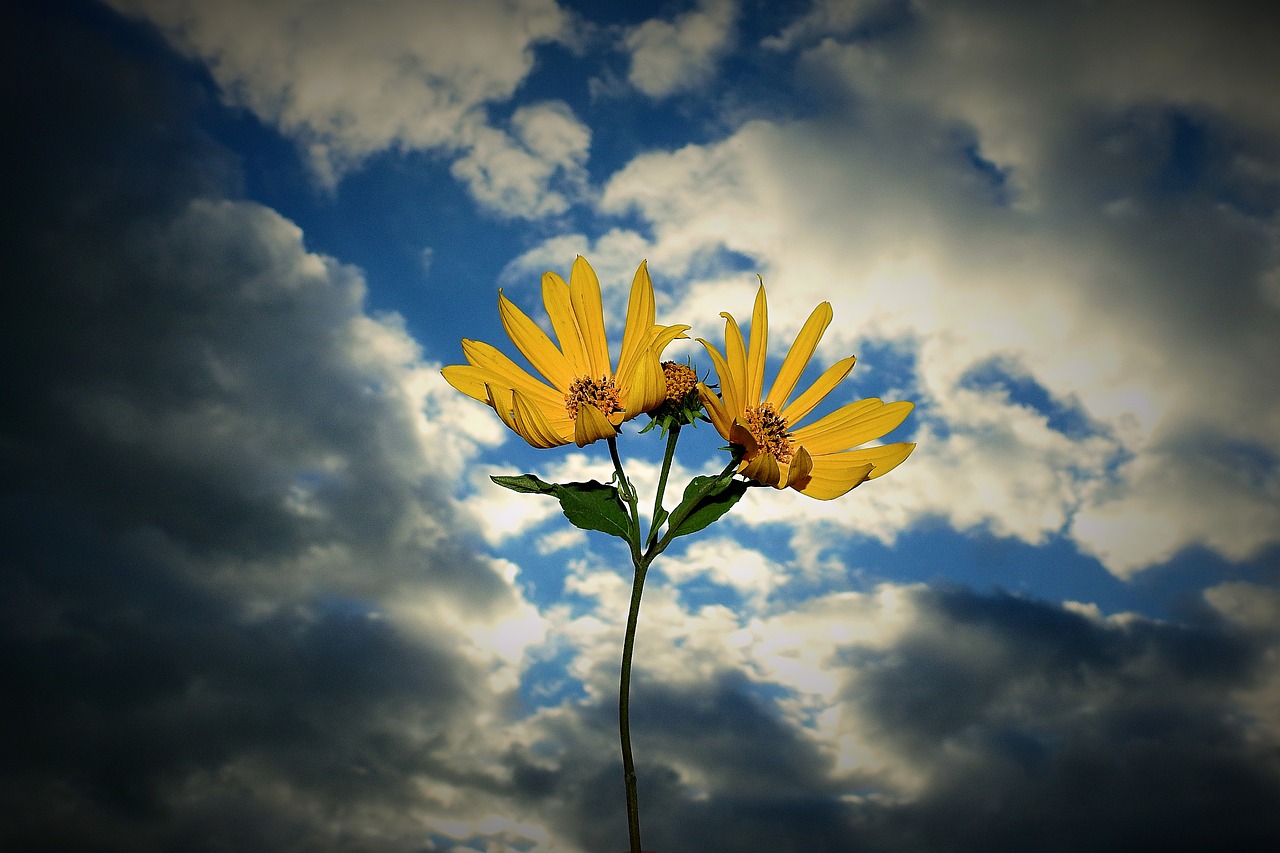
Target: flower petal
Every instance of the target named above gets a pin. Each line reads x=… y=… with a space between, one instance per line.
x=800 y=468
x=719 y=415
x=591 y=425
x=832 y=477
x=502 y=401
x=661 y=336
x=534 y=344
x=644 y=387
x=640 y=313
x=735 y=354
x=884 y=457
x=469 y=380
x=793 y=366
x=740 y=435
x=507 y=373
x=555 y=297
x=822 y=386
x=730 y=387
x=584 y=290
x=764 y=469
x=532 y=425
x=757 y=351
x=851 y=425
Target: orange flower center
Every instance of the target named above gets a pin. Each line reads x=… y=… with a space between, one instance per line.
x=601 y=393
x=681 y=379
x=770 y=432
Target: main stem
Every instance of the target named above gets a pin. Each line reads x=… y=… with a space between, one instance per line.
x=641 y=563
x=624 y=710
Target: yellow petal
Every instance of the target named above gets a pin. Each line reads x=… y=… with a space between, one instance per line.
x=469 y=380
x=800 y=468
x=534 y=344
x=591 y=425
x=644 y=387
x=798 y=356
x=735 y=355
x=740 y=435
x=764 y=469
x=501 y=400
x=884 y=458
x=533 y=425
x=832 y=477
x=756 y=352
x=653 y=343
x=730 y=387
x=555 y=296
x=720 y=417
x=823 y=386
x=851 y=425
x=584 y=290
x=640 y=313
x=663 y=335
x=507 y=373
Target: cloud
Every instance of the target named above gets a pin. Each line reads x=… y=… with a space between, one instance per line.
x=346 y=82
x=513 y=175
x=668 y=57
x=1101 y=345
x=1020 y=76
x=227 y=507
x=872 y=721
x=243 y=607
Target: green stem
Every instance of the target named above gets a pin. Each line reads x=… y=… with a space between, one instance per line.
x=677 y=517
x=628 y=647
x=624 y=711
x=673 y=435
x=629 y=495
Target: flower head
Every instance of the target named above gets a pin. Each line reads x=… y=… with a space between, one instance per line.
x=817 y=460
x=583 y=399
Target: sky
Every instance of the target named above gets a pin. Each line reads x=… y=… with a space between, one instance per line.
x=259 y=593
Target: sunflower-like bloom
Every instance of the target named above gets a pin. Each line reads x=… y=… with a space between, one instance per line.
x=584 y=399
x=817 y=459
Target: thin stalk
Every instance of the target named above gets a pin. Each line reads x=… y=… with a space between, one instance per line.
x=628 y=647
x=624 y=711
x=629 y=495
x=673 y=435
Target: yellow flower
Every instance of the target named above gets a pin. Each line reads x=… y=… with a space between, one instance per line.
x=816 y=460
x=585 y=400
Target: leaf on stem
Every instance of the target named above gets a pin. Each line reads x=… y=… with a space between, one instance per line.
x=705 y=500
x=589 y=506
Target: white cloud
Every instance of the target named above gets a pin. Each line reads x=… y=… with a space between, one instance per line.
x=536 y=173
x=673 y=56
x=347 y=80
x=726 y=562
x=1020 y=74
x=905 y=243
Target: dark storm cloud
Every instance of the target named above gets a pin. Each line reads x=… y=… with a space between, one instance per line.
x=211 y=479
x=1040 y=729
x=1026 y=726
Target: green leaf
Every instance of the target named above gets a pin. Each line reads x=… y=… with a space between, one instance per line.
x=526 y=483
x=705 y=500
x=589 y=506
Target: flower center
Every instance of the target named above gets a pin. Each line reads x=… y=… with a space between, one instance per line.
x=769 y=431
x=601 y=393
x=681 y=380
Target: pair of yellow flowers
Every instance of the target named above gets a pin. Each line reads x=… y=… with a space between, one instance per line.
x=584 y=399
